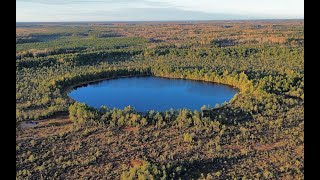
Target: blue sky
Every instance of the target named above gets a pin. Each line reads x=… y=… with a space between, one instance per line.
x=153 y=10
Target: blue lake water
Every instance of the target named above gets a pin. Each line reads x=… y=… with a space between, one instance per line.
x=153 y=93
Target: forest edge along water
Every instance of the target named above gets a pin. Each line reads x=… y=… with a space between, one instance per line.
x=143 y=93
x=264 y=121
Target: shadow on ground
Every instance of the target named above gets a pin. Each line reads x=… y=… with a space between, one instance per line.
x=195 y=169
x=227 y=115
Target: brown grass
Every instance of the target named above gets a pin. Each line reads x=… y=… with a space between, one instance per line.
x=130 y=129
x=268 y=147
x=22 y=31
x=136 y=163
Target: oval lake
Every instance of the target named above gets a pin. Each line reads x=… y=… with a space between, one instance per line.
x=153 y=93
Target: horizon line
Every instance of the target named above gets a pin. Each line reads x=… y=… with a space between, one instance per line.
x=261 y=19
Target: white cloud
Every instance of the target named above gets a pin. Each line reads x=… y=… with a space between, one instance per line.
x=99 y=10
x=271 y=7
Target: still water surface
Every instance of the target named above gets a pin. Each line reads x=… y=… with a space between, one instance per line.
x=153 y=93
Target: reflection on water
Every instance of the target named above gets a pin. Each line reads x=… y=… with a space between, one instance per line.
x=147 y=93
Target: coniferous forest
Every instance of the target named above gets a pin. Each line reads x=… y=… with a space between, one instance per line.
x=258 y=134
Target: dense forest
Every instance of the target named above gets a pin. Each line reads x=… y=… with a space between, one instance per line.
x=259 y=134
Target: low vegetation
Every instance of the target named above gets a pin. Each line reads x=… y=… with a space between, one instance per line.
x=259 y=134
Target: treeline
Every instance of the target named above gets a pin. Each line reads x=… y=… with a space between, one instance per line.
x=267 y=75
x=60 y=71
x=73 y=45
x=50 y=97
x=88 y=43
x=257 y=135
x=78 y=59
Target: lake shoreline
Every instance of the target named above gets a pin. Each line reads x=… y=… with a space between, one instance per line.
x=69 y=88
x=219 y=93
x=72 y=87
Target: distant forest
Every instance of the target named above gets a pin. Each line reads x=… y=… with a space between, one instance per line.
x=259 y=134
